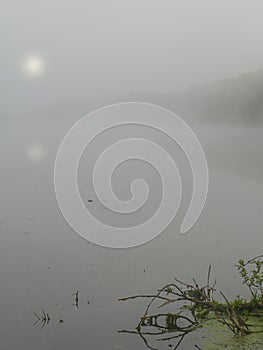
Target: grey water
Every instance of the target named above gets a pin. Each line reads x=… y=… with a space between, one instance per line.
x=43 y=262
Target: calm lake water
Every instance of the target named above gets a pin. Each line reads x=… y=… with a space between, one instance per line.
x=43 y=262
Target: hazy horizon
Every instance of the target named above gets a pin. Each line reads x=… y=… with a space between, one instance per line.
x=94 y=50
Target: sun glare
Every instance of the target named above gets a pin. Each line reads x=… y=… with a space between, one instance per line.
x=33 y=65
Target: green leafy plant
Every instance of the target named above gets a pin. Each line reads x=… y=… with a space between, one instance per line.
x=251 y=272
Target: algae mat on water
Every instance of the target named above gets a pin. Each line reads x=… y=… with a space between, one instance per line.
x=217 y=337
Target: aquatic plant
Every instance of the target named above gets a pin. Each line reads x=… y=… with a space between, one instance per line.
x=76 y=299
x=251 y=272
x=43 y=318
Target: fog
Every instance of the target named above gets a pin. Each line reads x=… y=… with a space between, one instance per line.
x=104 y=50
x=61 y=59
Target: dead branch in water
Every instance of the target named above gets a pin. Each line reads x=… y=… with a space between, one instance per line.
x=195 y=304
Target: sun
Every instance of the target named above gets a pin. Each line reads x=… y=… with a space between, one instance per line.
x=33 y=65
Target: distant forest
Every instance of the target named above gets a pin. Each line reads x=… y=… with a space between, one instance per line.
x=233 y=100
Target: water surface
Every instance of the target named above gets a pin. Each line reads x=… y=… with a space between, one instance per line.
x=43 y=262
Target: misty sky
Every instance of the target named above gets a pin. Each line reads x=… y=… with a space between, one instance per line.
x=106 y=48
